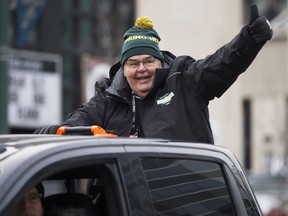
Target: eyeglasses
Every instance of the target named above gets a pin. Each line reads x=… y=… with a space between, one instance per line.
x=148 y=62
x=32 y=198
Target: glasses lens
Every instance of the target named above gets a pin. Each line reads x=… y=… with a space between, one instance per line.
x=33 y=198
x=133 y=64
x=150 y=62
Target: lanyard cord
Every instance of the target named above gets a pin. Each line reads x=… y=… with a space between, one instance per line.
x=134 y=114
x=135 y=121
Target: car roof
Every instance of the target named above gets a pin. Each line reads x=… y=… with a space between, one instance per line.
x=24 y=145
x=21 y=152
x=28 y=148
x=20 y=141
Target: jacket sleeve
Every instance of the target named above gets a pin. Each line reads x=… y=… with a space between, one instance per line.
x=218 y=72
x=93 y=112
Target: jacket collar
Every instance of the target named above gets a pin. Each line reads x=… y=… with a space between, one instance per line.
x=119 y=87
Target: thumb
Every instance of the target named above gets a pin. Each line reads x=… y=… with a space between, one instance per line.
x=254 y=14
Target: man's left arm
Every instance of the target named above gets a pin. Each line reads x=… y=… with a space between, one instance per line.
x=221 y=69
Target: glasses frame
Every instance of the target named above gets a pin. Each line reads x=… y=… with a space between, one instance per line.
x=135 y=64
x=32 y=198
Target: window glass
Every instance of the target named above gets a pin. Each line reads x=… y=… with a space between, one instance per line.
x=84 y=190
x=187 y=187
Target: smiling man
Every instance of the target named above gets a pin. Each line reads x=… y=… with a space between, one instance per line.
x=152 y=93
x=140 y=71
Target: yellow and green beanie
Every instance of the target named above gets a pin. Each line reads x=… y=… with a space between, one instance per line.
x=141 y=39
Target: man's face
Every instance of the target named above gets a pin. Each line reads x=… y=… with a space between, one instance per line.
x=30 y=205
x=139 y=71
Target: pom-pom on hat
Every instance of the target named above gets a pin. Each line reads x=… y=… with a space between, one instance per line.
x=141 y=39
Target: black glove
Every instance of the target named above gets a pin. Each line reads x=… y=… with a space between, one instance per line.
x=47 y=130
x=259 y=27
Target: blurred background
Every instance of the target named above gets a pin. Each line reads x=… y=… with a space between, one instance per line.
x=53 y=51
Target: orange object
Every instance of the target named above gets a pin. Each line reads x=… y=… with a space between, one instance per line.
x=94 y=129
x=61 y=131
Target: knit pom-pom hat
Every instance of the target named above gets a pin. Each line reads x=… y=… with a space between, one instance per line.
x=141 y=39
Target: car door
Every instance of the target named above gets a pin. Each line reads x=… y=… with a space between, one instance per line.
x=191 y=181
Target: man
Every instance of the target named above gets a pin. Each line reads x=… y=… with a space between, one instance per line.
x=31 y=204
x=153 y=94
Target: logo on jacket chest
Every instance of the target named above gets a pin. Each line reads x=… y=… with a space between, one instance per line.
x=165 y=99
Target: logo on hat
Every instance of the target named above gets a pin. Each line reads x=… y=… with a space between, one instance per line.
x=142 y=37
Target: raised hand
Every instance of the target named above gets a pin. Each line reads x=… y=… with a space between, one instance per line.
x=259 y=27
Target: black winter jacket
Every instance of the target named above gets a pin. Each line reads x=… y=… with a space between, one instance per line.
x=177 y=105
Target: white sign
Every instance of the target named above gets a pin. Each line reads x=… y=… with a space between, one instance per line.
x=35 y=86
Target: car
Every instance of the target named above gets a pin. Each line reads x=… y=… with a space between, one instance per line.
x=125 y=176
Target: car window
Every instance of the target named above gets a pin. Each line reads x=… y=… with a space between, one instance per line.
x=85 y=190
x=187 y=187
